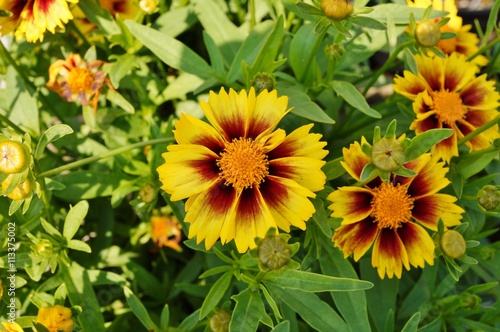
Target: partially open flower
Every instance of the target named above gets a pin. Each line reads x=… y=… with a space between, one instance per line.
x=219 y=322
x=488 y=197
x=274 y=252
x=452 y=244
x=428 y=33
x=388 y=154
x=56 y=318
x=20 y=192
x=13 y=157
x=336 y=9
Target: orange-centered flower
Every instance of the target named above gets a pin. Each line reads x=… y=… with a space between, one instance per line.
x=32 y=18
x=242 y=176
x=391 y=216
x=75 y=79
x=447 y=94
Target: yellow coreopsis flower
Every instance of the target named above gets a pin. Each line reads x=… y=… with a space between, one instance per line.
x=243 y=177
x=56 y=318
x=392 y=217
x=12 y=327
x=447 y=94
x=32 y=18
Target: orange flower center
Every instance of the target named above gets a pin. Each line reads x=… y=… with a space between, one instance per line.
x=448 y=106
x=80 y=80
x=243 y=163
x=391 y=205
x=448 y=46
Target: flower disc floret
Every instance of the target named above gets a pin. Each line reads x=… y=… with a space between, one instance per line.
x=391 y=205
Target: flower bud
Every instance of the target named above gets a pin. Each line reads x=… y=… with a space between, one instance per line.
x=428 y=33
x=388 y=154
x=148 y=6
x=263 y=81
x=147 y=193
x=273 y=252
x=336 y=9
x=13 y=157
x=488 y=197
x=452 y=244
x=219 y=322
x=20 y=192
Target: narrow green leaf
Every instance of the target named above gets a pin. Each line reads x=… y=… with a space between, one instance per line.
x=100 y=16
x=188 y=324
x=475 y=289
x=322 y=24
x=309 y=9
x=354 y=98
x=74 y=219
x=216 y=59
x=171 y=51
x=270 y=301
x=284 y=326
x=215 y=294
x=40 y=327
x=333 y=169
x=165 y=319
x=120 y=101
x=367 y=22
x=412 y=324
x=176 y=20
x=475 y=162
x=313 y=282
x=215 y=270
x=492 y=22
x=51 y=230
x=320 y=217
x=248 y=312
x=50 y=135
x=303 y=106
x=79 y=245
x=367 y=172
x=139 y=310
x=341 y=28
x=423 y=142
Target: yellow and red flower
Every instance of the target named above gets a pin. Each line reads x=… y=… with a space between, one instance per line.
x=32 y=18
x=392 y=217
x=447 y=94
x=165 y=231
x=75 y=79
x=465 y=42
x=242 y=176
x=56 y=318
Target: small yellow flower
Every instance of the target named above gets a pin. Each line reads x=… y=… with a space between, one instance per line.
x=22 y=190
x=148 y=6
x=166 y=232
x=12 y=327
x=56 y=318
x=13 y=157
x=336 y=9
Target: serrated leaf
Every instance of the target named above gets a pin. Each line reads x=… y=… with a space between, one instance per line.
x=248 y=312
x=423 y=142
x=51 y=135
x=354 y=98
x=171 y=51
x=74 y=219
x=215 y=294
x=139 y=310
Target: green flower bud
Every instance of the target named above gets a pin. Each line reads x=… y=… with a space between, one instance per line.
x=388 y=154
x=147 y=193
x=264 y=81
x=219 y=322
x=488 y=197
x=336 y=9
x=273 y=252
x=13 y=157
x=452 y=244
x=428 y=33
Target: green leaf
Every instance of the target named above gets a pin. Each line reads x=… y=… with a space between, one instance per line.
x=40 y=327
x=303 y=106
x=216 y=59
x=309 y=9
x=474 y=162
x=367 y=172
x=400 y=13
x=248 y=312
x=423 y=142
x=284 y=326
x=333 y=169
x=313 y=282
x=188 y=324
x=270 y=301
x=100 y=16
x=171 y=51
x=50 y=135
x=412 y=324
x=86 y=185
x=79 y=245
x=176 y=21
x=165 y=318
x=354 y=98
x=492 y=22
x=139 y=310
x=315 y=312
x=215 y=294
x=341 y=28
x=300 y=46
x=215 y=270
x=475 y=289
x=367 y=22
x=117 y=99
x=74 y=219
x=320 y=217
x=51 y=230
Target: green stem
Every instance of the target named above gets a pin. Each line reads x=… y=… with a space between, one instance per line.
x=108 y=154
x=44 y=193
x=11 y=124
x=386 y=65
x=484 y=48
x=478 y=131
x=312 y=55
x=251 y=8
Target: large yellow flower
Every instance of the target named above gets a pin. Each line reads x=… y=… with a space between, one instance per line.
x=56 y=318
x=32 y=18
x=465 y=42
x=390 y=215
x=242 y=176
x=447 y=94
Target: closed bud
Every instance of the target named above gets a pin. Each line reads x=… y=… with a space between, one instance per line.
x=428 y=33
x=147 y=193
x=452 y=244
x=488 y=197
x=148 y=6
x=20 y=192
x=336 y=9
x=388 y=154
x=219 y=322
x=273 y=252
x=13 y=157
x=264 y=81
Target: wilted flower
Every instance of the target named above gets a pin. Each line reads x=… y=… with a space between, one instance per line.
x=75 y=79
x=32 y=18
x=56 y=318
x=166 y=231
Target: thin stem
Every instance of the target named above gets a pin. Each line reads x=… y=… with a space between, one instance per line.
x=11 y=124
x=108 y=154
x=251 y=8
x=478 y=131
x=312 y=54
x=45 y=194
